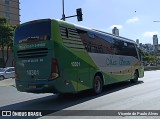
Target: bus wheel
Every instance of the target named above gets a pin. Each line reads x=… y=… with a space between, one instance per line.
x=97 y=85
x=135 y=77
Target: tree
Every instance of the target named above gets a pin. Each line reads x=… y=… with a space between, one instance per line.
x=6 y=39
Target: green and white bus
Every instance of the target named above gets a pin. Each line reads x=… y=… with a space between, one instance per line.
x=53 y=56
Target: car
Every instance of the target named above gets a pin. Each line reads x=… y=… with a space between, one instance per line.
x=8 y=72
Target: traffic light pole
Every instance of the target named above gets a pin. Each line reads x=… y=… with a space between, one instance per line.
x=79 y=13
x=71 y=16
x=63 y=15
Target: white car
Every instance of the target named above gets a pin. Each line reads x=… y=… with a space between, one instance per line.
x=8 y=72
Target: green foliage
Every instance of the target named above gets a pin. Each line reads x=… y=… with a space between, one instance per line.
x=6 y=33
x=6 y=38
x=147 y=57
x=150 y=58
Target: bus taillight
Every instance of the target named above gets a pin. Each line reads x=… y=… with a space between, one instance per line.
x=54 y=69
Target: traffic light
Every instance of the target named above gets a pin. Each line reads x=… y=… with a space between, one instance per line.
x=79 y=14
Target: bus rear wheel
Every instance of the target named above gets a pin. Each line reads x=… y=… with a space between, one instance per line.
x=135 y=77
x=97 y=85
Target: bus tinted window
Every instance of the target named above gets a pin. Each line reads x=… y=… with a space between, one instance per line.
x=33 y=31
x=131 y=50
x=125 y=48
x=96 y=43
x=99 y=43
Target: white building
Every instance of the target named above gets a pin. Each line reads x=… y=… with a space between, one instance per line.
x=115 y=31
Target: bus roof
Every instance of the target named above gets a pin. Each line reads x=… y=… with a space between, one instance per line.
x=98 y=31
x=105 y=33
x=38 y=20
x=86 y=29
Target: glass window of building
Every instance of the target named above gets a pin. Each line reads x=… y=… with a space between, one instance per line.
x=6 y=2
x=7 y=15
x=6 y=8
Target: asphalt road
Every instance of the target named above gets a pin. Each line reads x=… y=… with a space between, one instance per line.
x=144 y=95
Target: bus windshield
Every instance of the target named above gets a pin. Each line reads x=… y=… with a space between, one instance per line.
x=33 y=31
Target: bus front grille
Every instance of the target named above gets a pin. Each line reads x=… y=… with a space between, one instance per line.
x=32 y=53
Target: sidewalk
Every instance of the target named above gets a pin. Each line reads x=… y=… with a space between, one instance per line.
x=150 y=68
x=7 y=82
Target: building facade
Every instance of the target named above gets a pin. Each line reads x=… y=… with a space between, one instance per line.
x=155 y=40
x=137 y=41
x=10 y=10
x=115 y=31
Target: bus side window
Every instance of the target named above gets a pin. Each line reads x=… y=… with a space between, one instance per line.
x=100 y=49
x=119 y=47
x=131 y=50
x=87 y=47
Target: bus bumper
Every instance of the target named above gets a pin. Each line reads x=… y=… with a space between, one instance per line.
x=34 y=87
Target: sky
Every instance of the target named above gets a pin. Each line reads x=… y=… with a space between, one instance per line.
x=134 y=18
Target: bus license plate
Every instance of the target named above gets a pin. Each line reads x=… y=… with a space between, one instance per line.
x=32 y=86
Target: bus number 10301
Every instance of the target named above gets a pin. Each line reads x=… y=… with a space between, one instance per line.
x=75 y=64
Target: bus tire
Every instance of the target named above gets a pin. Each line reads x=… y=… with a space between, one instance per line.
x=97 y=85
x=135 y=79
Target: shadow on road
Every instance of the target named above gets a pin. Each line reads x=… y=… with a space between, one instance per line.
x=56 y=102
